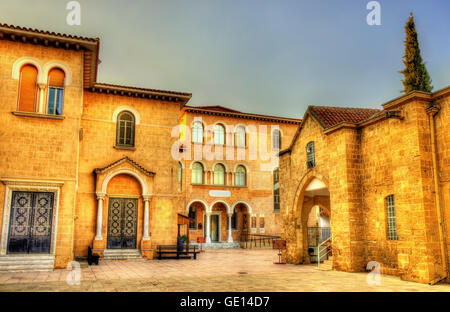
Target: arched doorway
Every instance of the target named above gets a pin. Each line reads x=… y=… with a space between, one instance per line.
x=196 y=210
x=241 y=213
x=124 y=222
x=315 y=219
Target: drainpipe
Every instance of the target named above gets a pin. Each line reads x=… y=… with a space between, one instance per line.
x=432 y=110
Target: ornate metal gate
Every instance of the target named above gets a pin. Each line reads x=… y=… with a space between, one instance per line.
x=30 y=227
x=122 y=223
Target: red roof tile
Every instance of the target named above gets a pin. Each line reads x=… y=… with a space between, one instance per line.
x=219 y=108
x=331 y=116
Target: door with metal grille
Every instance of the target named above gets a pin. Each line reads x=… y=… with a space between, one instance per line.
x=30 y=227
x=122 y=223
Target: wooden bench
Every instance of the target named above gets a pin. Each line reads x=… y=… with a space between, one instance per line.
x=92 y=258
x=177 y=252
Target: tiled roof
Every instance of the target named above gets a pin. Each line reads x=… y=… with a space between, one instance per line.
x=332 y=116
x=47 y=33
x=218 y=110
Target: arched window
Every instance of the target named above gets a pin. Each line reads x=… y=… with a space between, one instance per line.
x=240 y=176
x=197 y=132
x=219 y=134
x=28 y=88
x=55 y=95
x=240 y=136
x=219 y=174
x=310 y=155
x=276 y=139
x=125 y=129
x=197 y=173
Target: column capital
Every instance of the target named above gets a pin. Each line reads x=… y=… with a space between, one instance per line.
x=42 y=86
x=100 y=195
x=208 y=213
x=433 y=109
x=230 y=214
x=147 y=197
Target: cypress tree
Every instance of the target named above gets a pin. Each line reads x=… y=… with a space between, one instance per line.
x=415 y=72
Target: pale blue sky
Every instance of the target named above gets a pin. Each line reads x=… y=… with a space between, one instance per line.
x=262 y=56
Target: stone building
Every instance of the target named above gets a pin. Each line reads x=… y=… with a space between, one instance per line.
x=382 y=176
x=85 y=163
x=231 y=192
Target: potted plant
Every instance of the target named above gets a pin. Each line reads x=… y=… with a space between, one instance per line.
x=182 y=242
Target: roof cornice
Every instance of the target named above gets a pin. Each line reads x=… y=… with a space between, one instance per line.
x=90 y=46
x=191 y=109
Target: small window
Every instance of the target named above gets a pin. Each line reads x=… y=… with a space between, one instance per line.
x=197 y=173
x=310 y=155
x=240 y=176
x=276 y=139
x=28 y=88
x=240 y=136
x=180 y=172
x=391 y=219
x=125 y=129
x=219 y=135
x=276 y=190
x=193 y=215
x=55 y=95
x=197 y=132
x=219 y=174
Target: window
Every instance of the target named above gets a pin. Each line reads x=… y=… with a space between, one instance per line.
x=240 y=176
x=219 y=134
x=276 y=139
x=28 y=88
x=197 y=132
x=219 y=174
x=240 y=136
x=193 y=215
x=391 y=220
x=197 y=173
x=125 y=130
x=234 y=220
x=55 y=96
x=276 y=190
x=310 y=155
x=180 y=172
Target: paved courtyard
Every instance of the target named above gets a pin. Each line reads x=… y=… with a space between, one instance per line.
x=214 y=270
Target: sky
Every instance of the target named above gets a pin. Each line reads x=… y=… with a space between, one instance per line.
x=260 y=56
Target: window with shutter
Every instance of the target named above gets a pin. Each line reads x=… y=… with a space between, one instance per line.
x=28 y=89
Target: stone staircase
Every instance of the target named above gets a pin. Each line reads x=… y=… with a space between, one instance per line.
x=327 y=265
x=122 y=254
x=26 y=263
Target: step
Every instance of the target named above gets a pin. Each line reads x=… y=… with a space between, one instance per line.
x=26 y=263
x=224 y=245
x=121 y=254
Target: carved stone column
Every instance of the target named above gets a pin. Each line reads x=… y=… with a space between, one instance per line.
x=146 y=199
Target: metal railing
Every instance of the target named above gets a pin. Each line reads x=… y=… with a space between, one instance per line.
x=323 y=251
x=317 y=235
x=256 y=240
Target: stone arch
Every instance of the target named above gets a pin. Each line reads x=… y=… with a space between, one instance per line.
x=57 y=64
x=300 y=215
x=227 y=206
x=19 y=63
x=118 y=110
x=205 y=205
x=111 y=175
x=249 y=208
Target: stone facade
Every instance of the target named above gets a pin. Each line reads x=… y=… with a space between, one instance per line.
x=77 y=157
x=362 y=157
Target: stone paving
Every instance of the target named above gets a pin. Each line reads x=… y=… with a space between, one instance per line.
x=214 y=270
